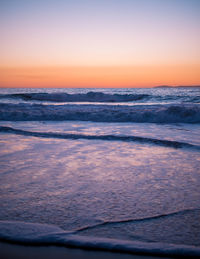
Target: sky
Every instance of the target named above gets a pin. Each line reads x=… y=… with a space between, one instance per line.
x=99 y=43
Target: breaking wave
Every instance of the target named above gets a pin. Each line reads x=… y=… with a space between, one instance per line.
x=159 y=142
x=101 y=113
x=43 y=234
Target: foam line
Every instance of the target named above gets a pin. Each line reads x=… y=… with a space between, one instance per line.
x=38 y=234
x=105 y=223
x=143 y=140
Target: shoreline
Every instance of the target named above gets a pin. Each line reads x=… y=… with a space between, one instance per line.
x=18 y=251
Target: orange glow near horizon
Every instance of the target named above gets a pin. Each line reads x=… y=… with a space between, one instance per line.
x=88 y=76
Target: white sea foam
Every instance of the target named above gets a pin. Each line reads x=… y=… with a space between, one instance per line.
x=39 y=234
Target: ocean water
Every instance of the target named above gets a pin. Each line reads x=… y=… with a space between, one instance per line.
x=115 y=169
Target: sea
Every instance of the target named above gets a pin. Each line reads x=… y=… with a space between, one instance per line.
x=94 y=168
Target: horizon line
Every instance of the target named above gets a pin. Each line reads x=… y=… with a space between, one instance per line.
x=155 y=86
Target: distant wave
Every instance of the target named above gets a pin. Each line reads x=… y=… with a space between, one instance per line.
x=159 y=142
x=43 y=234
x=101 y=113
x=100 y=97
x=80 y=97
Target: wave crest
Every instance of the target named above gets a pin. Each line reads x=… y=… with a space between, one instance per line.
x=84 y=97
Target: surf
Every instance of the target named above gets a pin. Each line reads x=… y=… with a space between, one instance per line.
x=44 y=234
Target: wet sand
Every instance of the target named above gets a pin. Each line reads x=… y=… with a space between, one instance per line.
x=13 y=251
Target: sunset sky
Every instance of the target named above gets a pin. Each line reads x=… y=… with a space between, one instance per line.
x=99 y=43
